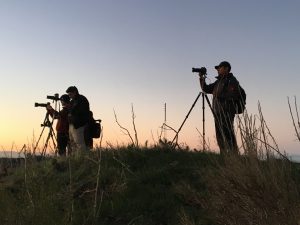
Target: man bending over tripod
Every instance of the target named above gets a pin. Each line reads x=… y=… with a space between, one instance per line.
x=224 y=90
x=79 y=115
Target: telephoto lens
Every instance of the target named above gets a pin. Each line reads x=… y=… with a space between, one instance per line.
x=41 y=104
x=54 y=97
x=201 y=71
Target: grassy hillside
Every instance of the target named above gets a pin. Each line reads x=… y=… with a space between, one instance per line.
x=153 y=186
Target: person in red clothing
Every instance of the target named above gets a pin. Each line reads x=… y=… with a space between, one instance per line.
x=62 y=125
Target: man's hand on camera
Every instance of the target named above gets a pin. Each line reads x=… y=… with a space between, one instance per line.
x=202 y=72
x=49 y=107
x=201 y=76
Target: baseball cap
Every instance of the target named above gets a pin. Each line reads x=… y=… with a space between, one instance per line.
x=225 y=64
x=72 y=89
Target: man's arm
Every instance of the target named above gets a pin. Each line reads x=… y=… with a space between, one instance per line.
x=207 y=88
x=52 y=112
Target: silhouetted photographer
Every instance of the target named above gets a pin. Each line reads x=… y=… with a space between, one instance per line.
x=79 y=117
x=229 y=98
x=62 y=125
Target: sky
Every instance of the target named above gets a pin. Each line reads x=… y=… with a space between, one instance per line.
x=140 y=54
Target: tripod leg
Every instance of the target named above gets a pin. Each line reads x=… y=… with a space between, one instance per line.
x=209 y=104
x=176 y=136
x=204 y=96
x=51 y=136
x=203 y=121
x=48 y=123
x=37 y=143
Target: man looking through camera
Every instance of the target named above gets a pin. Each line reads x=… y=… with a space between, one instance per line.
x=62 y=125
x=224 y=90
x=79 y=115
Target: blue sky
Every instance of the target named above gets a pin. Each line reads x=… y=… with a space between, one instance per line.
x=127 y=52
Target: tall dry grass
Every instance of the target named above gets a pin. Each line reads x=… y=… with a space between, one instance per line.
x=260 y=187
x=251 y=191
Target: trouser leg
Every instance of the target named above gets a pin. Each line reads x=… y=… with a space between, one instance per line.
x=77 y=138
x=62 y=142
x=88 y=138
x=225 y=133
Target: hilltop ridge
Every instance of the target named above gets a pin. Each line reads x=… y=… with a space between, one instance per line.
x=150 y=186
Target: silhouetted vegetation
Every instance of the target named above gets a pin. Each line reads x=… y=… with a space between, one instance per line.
x=157 y=185
x=150 y=186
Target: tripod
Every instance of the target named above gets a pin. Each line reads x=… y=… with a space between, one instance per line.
x=204 y=97
x=50 y=136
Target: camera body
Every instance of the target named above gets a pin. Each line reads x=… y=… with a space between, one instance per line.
x=201 y=71
x=41 y=104
x=55 y=97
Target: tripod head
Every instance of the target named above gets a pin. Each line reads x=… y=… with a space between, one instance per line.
x=47 y=122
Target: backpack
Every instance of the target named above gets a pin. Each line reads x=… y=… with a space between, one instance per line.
x=240 y=102
x=94 y=127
